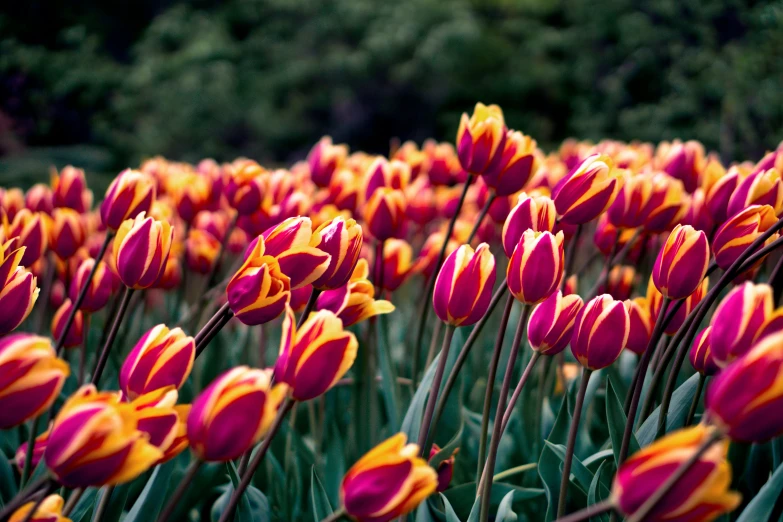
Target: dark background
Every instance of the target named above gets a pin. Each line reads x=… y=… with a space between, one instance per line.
x=105 y=84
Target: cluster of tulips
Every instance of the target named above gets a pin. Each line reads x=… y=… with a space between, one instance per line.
x=319 y=252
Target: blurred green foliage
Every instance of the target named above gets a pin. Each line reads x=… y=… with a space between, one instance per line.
x=266 y=78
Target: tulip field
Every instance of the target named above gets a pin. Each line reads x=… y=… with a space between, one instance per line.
x=468 y=332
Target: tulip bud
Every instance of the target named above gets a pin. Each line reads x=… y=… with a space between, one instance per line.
x=738 y=320
x=535 y=213
x=130 y=194
x=640 y=323
x=246 y=186
x=324 y=160
x=141 y=249
x=384 y=213
x=76 y=333
x=69 y=190
x=683 y=161
x=464 y=285
x=160 y=418
x=389 y=481
x=443 y=166
x=32 y=231
x=95 y=441
x=761 y=188
x=739 y=231
x=397 y=263
x=620 y=282
x=259 y=291
x=655 y=300
x=719 y=192
x=66 y=234
x=552 y=322
x=100 y=289
x=701 y=494
x=355 y=301
x=517 y=163
x=50 y=510
x=39 y=448
x=697 y=214
x=233 y=413
x=588 y=190
x=19 y=289
x=445 y=469
x=481 y=139
x=161 y=358
x=535 y=269
x=600 y=332
x=681 y=263
x=701 y=354
x=383 y=173
x=201 y=250
x=39 y=198
x=634 y=202
x=428 y=255
x=191 y=193
x=744 y=399
x=314 y=356
x=342 y=239
x=289 y=242
x=666 y=203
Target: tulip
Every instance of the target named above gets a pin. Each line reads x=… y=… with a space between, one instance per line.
x=428 y=255
x=259 y=291
x=683 y=161
x=739 y=231
x=161 y=358
x=344 y=190
x=69 y=190
x=738 y=320
x=95 y=441
x=571 y=285
x=443 y=166
x=620 y=282
x=191 y=193
x=588 y=190
x=39 y=448
x=719 y=192
x=655 y=300
x=634 y=202
x=314 y=356
x=535 y=213
x=384 y=213
x=290 y=243
x=355 y=301
x=19 y=290
x=163 y=421
x=141 y=249
x=666 y=203
x=201 y=251
x=246 y=186
x=39 y=199
x=640 y=323
x=481 y=139
x=445 y=469
x=383 y=173
x=416 y=159
x=464 y=285
x=76 y=333
x=697 y=215
x=552 y=322
x=49 y=510
x=600 y=332
x=744 y=399
x=702 y=492
x=324 y=160
x=761 y=188
x=701 y=354
x=535 y=269
x=681 y=263
x=67 y=233
x=389 y=481
x=33 y=232
x=130 y=194
x=172 y=275
x=609 y=239
x=342 y=239
x=397 y=263
x=518 y=162
x=233 y=413
x=101 y=287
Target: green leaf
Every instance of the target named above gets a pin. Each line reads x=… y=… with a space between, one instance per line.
x=83 y=509
x=582 y=475
x=334 y=463
x=549 y=463
x=462 y=497
x=616 y=420
x=760 y=508
x=678 y=410
x=592 y=494
x=321 y=506
x=152 y=497
x=596 y=459
x=389 y=386
x=119 y=494
x=447 y=450
x=505 y=513
x=253 y=506
x=475 y=510
x=451 y=516
x=8 y=486
x=423 y=513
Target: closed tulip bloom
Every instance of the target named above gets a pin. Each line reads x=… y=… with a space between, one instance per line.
x=50 y=510
x=738 y=321
x=701 y=494
x=420 y=201
x=445 y=469
x=389 y=481
x=233 y=413
x=130 y=194
x=342 y=239
x=159 y=418
x=290 y=243
x=397 y=263
x=191 y=193
x=19 y=290
x=655 y=300
x=535 y=213
x=697 y=214
x=464 y=285
x=95 y=441
x=481 y=139
x=314 y=356
x=428 y=255
x=355 y=301
x=761 y=188
x=588 y=190
x=518 y=162
x=161 y=358
x=744 y=399
x=66 y=233
x=100 y=289
x=259 y=291
x=571 y=285
x=620 y=282
x=683 y=161
x=535 y=270
x=682 y=262
x=201 y=250
x=552 y=322
x=141 y=249
x=666 y=203
x=246 y=186
x=701 y=354
x=739 y=231
x=719 y=191
x=443 y=166
x=39 y=448
x=75 y=333
x=325 y=159
x=32 y=230
x=384 y=213
x=39 y=199
x=634 y=202
x=600 y=332
x=171 y=276
x=69 y=190
x=382 y=173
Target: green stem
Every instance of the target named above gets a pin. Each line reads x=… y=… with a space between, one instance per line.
x=103 y=505
x=518 y=390
x=481 y=216
x=695 y=402
x=573 y=430
x=309 y=306
x=588 y=512
x=184 y=483
x=101 y=364
x=334 y=517
x=72 y=501
x=426 y=421
x=514 y=471
x=28 y=458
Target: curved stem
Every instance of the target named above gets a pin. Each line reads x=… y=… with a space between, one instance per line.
x=83 y=348
x=50 y=486
x=588 y=512
x=103 y=505
x=101 y=364
x=308 y=307
x=25 y=494
x=493 y=368
x=481 y=216
x=424 y=430
x=184 y=483
x=433 y=344
x=570 y=256
x=695 y=402
x=72 y=501
x=518 y=391
x=211 y=323
x=46 y=290
x=224 y=315
x=28 y=458
x=334 y=517
x=573 y=430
